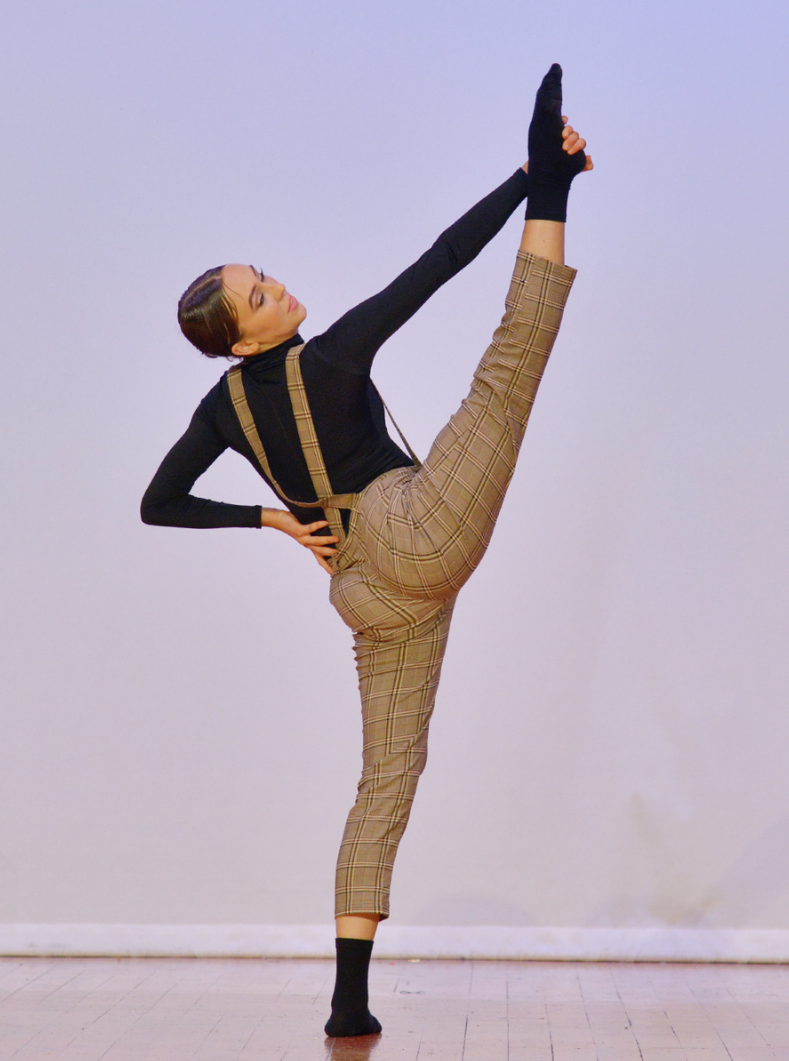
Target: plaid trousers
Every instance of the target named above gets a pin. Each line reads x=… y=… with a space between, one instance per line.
x=414 y=538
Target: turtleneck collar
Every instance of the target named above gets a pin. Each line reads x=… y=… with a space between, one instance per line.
x=275 y=355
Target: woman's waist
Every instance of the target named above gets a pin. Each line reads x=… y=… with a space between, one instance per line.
x=354 y=474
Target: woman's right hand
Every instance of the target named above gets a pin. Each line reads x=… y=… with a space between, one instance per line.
x=322 y=546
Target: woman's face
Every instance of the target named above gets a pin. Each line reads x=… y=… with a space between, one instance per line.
x=267 y=314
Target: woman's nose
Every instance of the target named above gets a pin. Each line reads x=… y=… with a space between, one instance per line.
x=277 y=289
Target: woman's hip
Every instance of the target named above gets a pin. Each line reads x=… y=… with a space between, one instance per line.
x=402 y=539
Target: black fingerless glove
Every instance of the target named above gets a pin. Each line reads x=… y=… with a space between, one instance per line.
x=551 y=170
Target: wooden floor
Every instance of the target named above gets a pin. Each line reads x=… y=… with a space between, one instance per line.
x=210 y=1010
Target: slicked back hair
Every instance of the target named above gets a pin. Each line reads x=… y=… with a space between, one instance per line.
x=208 y=317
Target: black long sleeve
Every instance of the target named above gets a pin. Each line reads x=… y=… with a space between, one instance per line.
x=352 y=342
x=345 y=406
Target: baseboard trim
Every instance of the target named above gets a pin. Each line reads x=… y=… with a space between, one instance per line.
x=398 y=941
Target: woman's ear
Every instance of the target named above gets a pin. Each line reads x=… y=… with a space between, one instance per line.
x=245 y=348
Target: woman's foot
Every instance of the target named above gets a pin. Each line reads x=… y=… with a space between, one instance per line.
x=349 y=1012
x=342 y=1024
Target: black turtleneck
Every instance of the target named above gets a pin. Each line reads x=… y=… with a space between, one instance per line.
x=346 y=409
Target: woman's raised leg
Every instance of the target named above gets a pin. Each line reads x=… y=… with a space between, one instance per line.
x=430 y=534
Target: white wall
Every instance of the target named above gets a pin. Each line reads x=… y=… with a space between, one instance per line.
x=180 y=724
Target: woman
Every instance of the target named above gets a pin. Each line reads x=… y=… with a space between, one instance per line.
x=399 y=538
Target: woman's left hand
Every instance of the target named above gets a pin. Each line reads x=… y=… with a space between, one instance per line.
x=320 y=545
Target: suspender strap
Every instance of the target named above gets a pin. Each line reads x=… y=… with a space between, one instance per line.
x=328 y=502
x=308 y=437
x=236 y=387
x=235 y=384
x=404 y=440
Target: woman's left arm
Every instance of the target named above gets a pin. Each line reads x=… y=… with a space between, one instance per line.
x=353 y=341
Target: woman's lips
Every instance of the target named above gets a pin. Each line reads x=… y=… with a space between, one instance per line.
x=292 y=304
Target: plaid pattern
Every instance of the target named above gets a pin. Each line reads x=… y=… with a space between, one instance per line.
x=399 y=665
x=415 y=536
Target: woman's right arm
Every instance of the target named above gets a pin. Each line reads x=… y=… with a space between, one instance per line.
x=168 y=502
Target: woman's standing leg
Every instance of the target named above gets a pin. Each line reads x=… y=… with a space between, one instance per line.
x=399 y=647
x=398 y=681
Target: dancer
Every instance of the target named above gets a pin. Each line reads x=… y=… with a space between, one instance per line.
x=398 y=538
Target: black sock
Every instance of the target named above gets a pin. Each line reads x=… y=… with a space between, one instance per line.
x=349 y=1012
x=551 y=169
